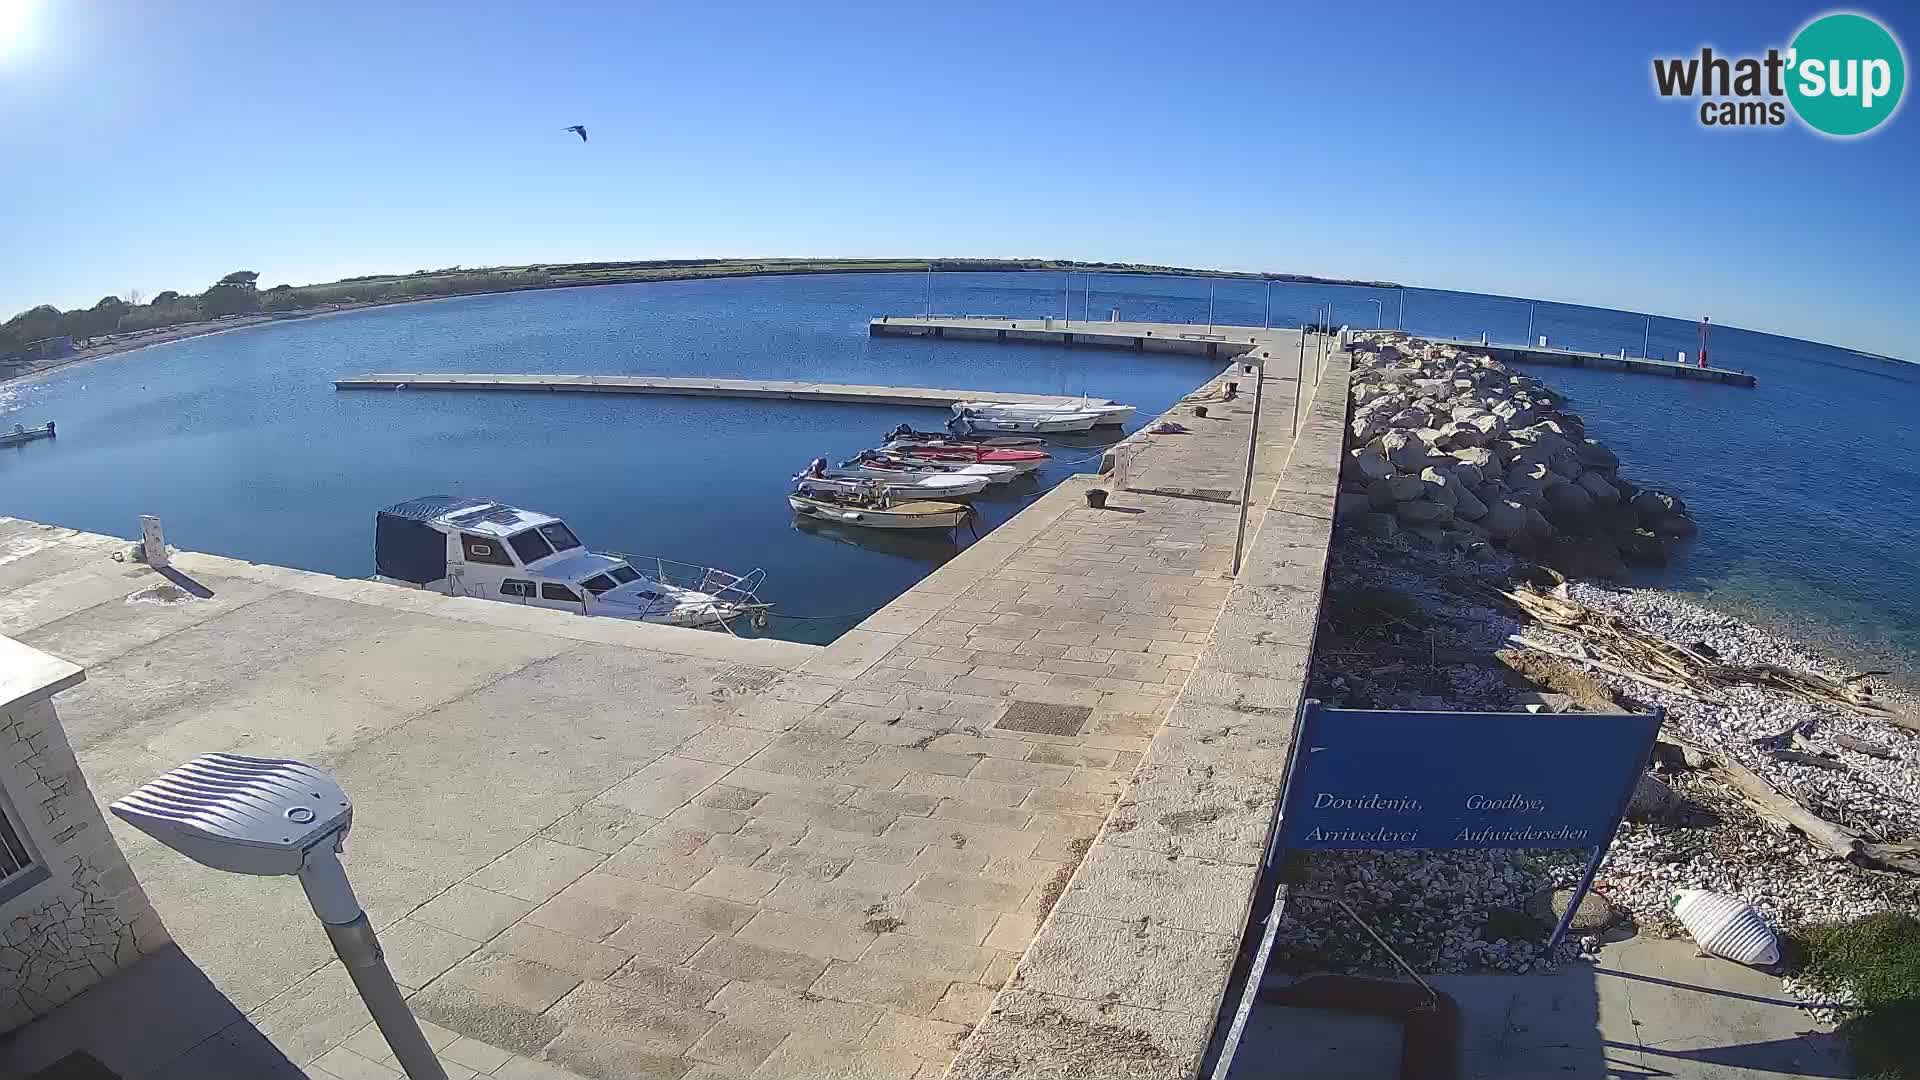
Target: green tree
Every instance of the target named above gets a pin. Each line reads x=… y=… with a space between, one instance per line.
x=235 y=294
x=166 y=297
x=103 y=318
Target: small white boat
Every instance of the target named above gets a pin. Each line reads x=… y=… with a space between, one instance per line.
x=891 y=466
x=489 y=550
x=937 y=486
x=969 y=422
x=1105 y=413
x=876 y=510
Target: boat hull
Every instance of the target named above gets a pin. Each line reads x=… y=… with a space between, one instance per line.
x=873 y=518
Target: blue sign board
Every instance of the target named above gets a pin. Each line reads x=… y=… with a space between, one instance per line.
x=1371 y=780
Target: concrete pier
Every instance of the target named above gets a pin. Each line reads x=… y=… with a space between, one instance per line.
x=1639 y=365
x=1221 y=341
x=775 y=389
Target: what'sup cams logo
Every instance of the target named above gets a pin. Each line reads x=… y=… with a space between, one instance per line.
x=1842 y=76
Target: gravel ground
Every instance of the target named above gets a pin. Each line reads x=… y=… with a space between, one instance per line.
x=1453 y=911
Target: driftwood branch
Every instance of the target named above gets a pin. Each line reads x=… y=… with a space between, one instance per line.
x=1602 y=665
x=1861 y=746
x=1785 y=814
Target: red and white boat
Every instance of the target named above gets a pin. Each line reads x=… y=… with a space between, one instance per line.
x=1022 y=460
x=889 y=466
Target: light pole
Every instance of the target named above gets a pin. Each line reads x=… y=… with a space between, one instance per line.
x=1376 y=311
x=1646 y=341
x=1066 y=298
x=1266 y=320
x=1530 y=307
x=929 y=290
x=1209 y=307
x=1400 y=320
x=1086 y=300
x=1253 y=444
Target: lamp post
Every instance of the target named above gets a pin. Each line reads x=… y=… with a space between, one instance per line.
x=1266 y=320
x=1209 y=307
x=1376 y=311
x=1253 y=444
x=929 y=290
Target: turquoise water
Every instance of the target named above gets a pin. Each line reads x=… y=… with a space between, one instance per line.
x=1806 y=488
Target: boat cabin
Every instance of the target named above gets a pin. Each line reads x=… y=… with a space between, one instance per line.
x=474 y=547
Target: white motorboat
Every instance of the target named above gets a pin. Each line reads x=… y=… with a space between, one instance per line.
x=489 y=550
x=968 y=421
x=874 y=510
x=935 y=486
x=892 y=466
x=1106 y=413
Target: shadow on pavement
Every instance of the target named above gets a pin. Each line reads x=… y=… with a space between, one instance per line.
x=161 y=1019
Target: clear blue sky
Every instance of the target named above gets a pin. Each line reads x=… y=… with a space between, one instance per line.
x=1513 y=148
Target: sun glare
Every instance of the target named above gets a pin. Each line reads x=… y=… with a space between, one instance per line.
x=16 y=27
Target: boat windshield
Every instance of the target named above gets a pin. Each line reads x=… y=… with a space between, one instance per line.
x=624 y=573
x=598 y=584
x=559 y=535
x=613 y=578
x=530 y=546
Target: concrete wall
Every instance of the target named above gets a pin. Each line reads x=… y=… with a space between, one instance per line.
x=78 y=915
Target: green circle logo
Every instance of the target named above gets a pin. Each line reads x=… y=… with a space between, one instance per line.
x=1846 y=74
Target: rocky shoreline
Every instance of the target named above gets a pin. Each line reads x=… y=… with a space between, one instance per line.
x=1414 y=619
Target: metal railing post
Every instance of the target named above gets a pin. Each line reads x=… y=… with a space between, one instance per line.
x=1299 y=378
x=1253 y=444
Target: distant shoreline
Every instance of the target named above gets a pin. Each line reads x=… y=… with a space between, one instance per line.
x=647 y=273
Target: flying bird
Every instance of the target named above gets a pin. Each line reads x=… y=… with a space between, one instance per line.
x=580 y=130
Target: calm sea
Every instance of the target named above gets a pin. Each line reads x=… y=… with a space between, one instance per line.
x=1807 y=489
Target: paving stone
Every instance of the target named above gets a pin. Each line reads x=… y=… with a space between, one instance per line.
x=664 y=786
x=728 y=797
x=804 y=1056
x=1155 y=967
x=979 y=792
x=883 y=876
x=962 y=835
x=347 y=1065
x=1013 y=932
x=918 y=1036
x=760 y=1003
x=789 y=807
x=418 y=952
x=964 y=1003
x=941 y=922
x=924 y=958
x=596 y=827
x=959 y=890
x=894 y=802
x=602 y=1056
x=523 y=983
x=870 y=984
x=730 y=882
x=897 y=851
x=739 y=1045
x=484 y=1018
x=474 y=1054
x=536 y=870
x=701 y=912
x=827 y=901
x=609 y=1011
x=823 y=939
x=472 y=912
x=748 y=962
x=559 y=951
x=522 y=1068
x=674 y=985
x=727 y=745
x=666 y=866
x=793 y=862
x=566 y=915
x=1002 y=817
x=707 y=819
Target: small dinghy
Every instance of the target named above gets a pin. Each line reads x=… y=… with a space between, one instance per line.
x=891 y=466
x=905 y=434
x=1105 y=413
x=950 y=453
x=874 y=509
x=971 y=421
x=22 y=434
x=934 y=486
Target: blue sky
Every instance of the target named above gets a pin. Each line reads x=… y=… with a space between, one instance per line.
x=1515 y=149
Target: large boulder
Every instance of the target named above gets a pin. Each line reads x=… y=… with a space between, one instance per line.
x=1596 y=485
x=1587 y=557
x=1346 y=506
x=1534 y=477
x=1478 y=456
x=1385 y=494
x=1652 y=800
x=1406 y=451
x=1651 y=504
x=1439 y=485
x=1642 y=547
x=1595 y=456
x=1676 y=525
x=1412 y=416
x=1368 y=464
x=1466 y=505
x=1566 y=463
x=1379 y=526
x=1538 y=526
x=1504 y=518
x=1468 y=476
x=1423 y=512
x=1569 y=499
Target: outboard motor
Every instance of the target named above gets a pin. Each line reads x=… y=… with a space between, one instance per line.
x=817 y=467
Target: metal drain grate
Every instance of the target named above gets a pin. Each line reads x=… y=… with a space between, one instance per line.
x=742 y=677
x=1041 y=718
x=1215 y=495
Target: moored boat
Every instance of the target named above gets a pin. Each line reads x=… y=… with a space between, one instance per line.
x=932 y=486
x=889 y=466
x=1105 y=413
x=874 y=510
x=906 y=434
x=1023 y=460
x=489 y=550
x=969 y=421
x=22 y=434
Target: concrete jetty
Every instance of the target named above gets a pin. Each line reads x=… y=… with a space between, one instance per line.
x=1508 y=353
x=775 y=389
x=1222 y=341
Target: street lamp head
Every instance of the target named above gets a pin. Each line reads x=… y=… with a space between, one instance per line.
x=244 y=815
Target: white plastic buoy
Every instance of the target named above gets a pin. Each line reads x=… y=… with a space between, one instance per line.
x=1727 y=927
